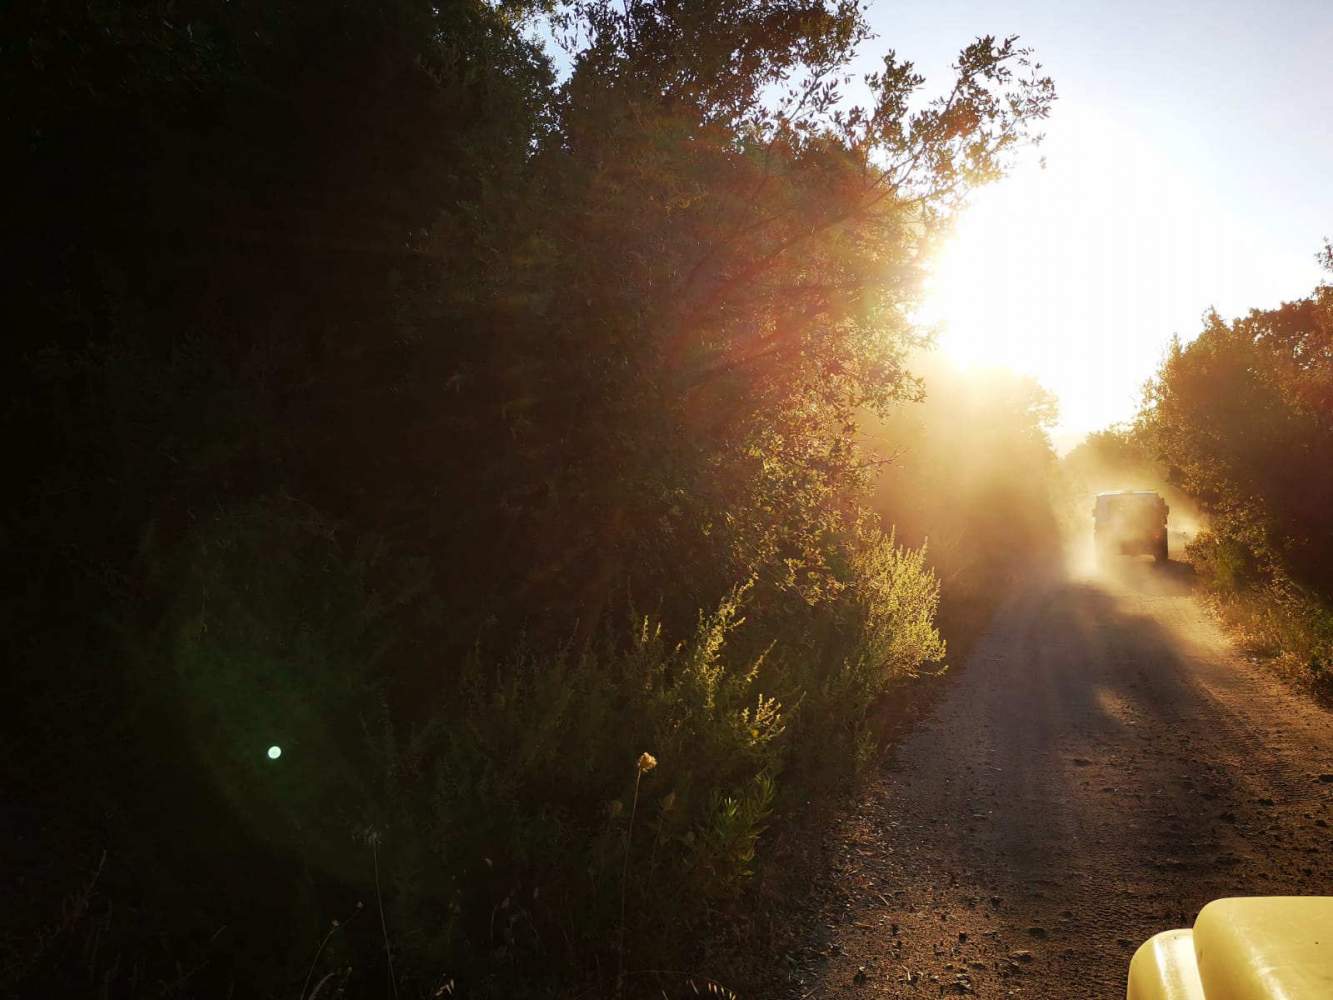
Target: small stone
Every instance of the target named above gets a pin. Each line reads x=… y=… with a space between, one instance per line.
x=1020 y=956
x=861 y=976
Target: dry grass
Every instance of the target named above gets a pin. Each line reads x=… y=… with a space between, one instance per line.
x=1288 y=629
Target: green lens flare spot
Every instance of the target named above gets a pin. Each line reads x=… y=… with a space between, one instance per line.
x=274 y=752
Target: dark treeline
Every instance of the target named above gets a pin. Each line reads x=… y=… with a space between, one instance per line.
x=462 y=435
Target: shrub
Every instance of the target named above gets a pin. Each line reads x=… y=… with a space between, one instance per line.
x=501 y=821
x=1225 y=564
x=1276 y=618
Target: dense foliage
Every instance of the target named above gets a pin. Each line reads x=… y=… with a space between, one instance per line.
x=1242 y=418
x=461 y=435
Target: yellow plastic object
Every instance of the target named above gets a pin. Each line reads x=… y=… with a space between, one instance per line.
x=1266 y=948
x=1164 y=969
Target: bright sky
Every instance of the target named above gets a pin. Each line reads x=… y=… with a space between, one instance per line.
x=1189 y=165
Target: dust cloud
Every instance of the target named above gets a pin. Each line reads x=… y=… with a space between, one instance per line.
x=1113 y=461
x=970 y=472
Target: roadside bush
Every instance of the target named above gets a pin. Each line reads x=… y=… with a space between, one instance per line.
x=1226 y=565
x=1275 y=618
x=880 y=632
x=500 y=831
x=532 y=779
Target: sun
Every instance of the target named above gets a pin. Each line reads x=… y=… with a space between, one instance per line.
x=1078 y=273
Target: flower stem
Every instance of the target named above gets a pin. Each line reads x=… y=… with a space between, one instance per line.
x=624 y=882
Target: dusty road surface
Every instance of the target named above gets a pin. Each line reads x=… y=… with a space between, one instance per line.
x=1103 y=765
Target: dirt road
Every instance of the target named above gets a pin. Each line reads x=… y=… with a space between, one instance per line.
x=1103 y=765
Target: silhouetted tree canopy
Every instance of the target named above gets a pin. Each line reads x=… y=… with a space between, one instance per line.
x=368 y=385
x=1243 y=416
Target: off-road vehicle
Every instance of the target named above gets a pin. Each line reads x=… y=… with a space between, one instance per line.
x=1131 y=522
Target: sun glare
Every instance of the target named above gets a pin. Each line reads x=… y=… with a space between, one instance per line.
x=1079 y=273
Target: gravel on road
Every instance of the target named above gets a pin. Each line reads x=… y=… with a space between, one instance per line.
x=1104 y=764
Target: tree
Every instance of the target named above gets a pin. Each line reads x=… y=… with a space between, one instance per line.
x=724 y=283
x=1243 y=417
